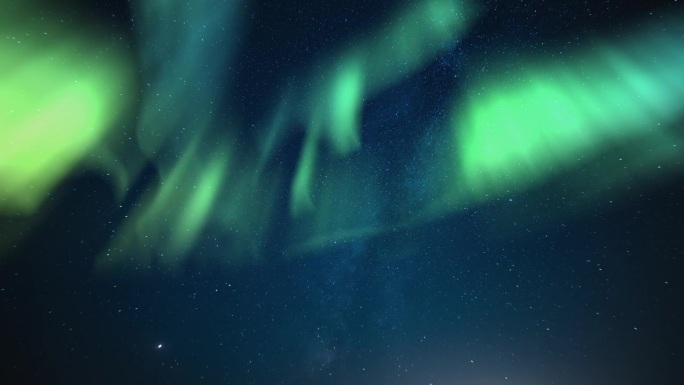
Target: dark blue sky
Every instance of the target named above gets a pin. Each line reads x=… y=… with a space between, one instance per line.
x=541 y=286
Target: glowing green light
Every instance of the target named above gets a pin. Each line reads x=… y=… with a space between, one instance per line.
x=194 y=215
x=346 y=108
x=514 y=133
x=57 y=101
x=300 y=197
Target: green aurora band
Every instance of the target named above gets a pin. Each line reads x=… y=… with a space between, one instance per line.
x=552 y=116
x=60 y=94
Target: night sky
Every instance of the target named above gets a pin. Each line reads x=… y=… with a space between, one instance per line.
x=354 y=192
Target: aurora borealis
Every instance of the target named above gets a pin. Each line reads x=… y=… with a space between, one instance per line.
x=506 y=135
x=385 y=179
